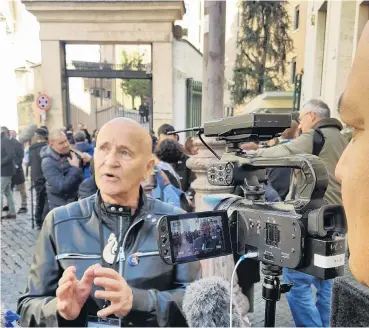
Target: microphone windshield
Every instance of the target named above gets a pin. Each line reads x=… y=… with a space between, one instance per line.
x=207 y=303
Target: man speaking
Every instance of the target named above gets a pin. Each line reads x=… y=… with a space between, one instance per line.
x=74 y=277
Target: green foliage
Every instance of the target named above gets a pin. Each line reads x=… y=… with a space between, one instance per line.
x=135 y=88
x=262 y=48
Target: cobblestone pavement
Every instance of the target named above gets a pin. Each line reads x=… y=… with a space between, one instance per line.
x=17 y=248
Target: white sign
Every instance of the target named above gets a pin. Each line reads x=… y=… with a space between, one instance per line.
x=327 y=262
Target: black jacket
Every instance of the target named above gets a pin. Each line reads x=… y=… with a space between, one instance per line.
x=186 y=175
x=157 y=288
x=62 y=180
x=7 y=157
x=19 y=151
x=37 y=176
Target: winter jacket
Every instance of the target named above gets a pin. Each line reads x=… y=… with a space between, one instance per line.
x=37 y=176
x=7 y=157
x=62 y=179
x=334 y=145
x=157 y=288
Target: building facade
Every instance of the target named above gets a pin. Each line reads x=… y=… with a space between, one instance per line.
x=333 y=29
x=106 y=22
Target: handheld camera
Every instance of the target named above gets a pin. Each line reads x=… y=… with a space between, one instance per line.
x=305 y=234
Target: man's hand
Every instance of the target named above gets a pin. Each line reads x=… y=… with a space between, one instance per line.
x=86 y=157
x=74 y=161
x=72 y=294
x=116 y=291
x=250 y=146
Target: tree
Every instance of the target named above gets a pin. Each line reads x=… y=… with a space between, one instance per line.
x=134 y=88
x=262 y=48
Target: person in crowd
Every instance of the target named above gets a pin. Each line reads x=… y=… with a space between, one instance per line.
x=38 y=180
x=163 y=133
x=62 y=170
x=7 y=171
x=190 y=146
x=18 y=179
x=205 y=243
x=81 y=144
x=63 y=290
x=170 y=151
x=315 y=115
x=88 y=186
x=94 y=137
x=83 y=128
x=141 y=111
x=69 y=134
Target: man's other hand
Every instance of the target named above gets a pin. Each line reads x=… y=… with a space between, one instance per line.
x=74 y=161
x=250 y=146
x=116 y=291
x=72 y=294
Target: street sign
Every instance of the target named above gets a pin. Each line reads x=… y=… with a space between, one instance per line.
x=43 y=102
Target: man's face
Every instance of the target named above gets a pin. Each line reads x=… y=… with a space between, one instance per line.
x=13 y=134
x=60 y=144
x=352 y=169
x=120 y=161
x=307 y=120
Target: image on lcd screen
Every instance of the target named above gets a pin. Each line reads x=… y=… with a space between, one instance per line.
x=197 y=236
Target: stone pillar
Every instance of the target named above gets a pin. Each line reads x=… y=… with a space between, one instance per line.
x=212 y=108
x=52 y=70
x=162 y=83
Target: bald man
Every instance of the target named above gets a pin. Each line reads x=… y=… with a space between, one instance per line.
x=77 y=277
x=62 y=170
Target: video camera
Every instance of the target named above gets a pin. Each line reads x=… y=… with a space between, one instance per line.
x=305 y=234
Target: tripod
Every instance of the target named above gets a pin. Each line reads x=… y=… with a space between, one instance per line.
x=272 y=290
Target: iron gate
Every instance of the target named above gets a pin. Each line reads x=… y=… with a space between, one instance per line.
x=193 y=106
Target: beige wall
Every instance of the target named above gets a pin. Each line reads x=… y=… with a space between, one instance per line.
x=329 y=52
x=298 y=37
x=162 y=89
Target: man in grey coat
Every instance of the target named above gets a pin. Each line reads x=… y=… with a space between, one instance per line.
x=321 y=136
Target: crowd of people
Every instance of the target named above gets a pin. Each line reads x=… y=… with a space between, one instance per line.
x=62 y=169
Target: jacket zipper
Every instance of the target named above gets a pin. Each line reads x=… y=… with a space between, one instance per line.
x=71 y=256
x=122 y=256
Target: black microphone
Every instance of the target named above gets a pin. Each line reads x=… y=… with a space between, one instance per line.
x=207 y=303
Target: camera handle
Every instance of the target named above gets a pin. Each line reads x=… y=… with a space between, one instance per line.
x=271 y=291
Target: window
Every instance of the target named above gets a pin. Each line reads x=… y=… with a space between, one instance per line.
x=95 y=93
x=296 y=23
x=293 y=70
x=108 y=94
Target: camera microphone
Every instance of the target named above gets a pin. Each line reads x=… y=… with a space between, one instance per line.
x=207 y=303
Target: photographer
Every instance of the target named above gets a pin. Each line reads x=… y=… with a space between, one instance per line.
x=321 y=136
x=74 y=275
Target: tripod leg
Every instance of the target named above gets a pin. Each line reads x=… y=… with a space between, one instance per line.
x=270 y=307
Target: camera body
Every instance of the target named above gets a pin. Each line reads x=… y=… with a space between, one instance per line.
x=305 y=234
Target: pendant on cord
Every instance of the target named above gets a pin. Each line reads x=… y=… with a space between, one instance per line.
x=111 y=249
